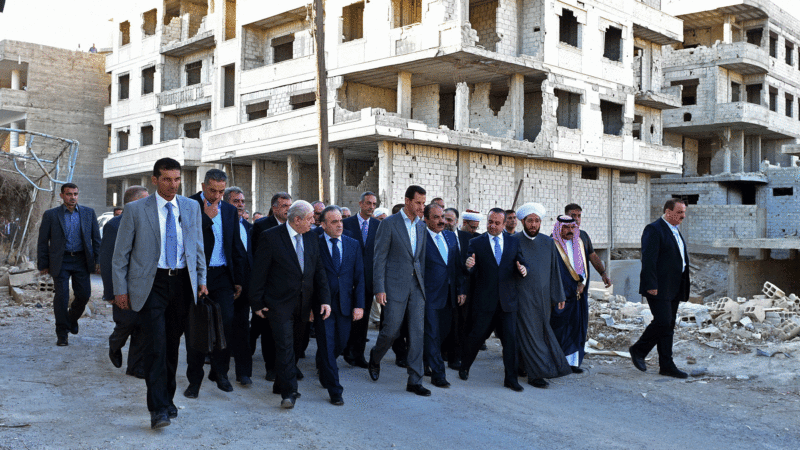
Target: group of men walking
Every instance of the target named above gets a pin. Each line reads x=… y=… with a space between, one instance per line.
x=442 y=290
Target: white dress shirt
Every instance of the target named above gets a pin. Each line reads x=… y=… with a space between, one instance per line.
x=162 y=225
x=677 y=234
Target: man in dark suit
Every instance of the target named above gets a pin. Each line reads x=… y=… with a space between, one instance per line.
x=341 y=257
x=454 y=343
x=664 y=282
x=240 y=346
x=259 y=326
x=363 y=228
x=287 y=282
x=226 y=259
x=69 y=247
x=443 y=289
x=495 y=261
x=126 y=322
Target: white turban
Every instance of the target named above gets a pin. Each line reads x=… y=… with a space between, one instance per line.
x=469 y=216
x=531 y=208
x=379 y=212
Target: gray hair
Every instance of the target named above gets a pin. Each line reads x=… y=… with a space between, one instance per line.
x=231 y=190
x=215 y=175
x=327 y=210
x=345 y=208
x=316 y=203
x=300 y=208
x=368 y=193
x=133 y=193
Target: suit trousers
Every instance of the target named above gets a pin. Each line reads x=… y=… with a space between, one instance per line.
x=126 y=324
x=67 y=316
x=163 y=318
x=660 y=332
x=395 y=310
x=288 y=332
x=240 y=342
x=483 y=322
x=221 y=291
x=454 y=344
x=261 y=327
x=357 y=342
x=437 y=327
x=332 y=334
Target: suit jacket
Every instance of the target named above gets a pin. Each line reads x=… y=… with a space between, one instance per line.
x=347 y=283
x=259 y=226
x=138 y=248
x=232 y=245
x=278 y=283
x=248 y=262
x=107 y=254
x=368 y=248
x=394 y=267
x=443 y=279
x=492 y=282
x=53 y=239
x=662 y=264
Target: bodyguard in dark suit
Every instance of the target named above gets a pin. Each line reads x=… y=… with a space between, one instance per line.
x=225 y=259
x=341 y=257
x=126 y=321
x=362 y=227
x=69 y=247
x=664 y=282
x=287 y=281
x=443 y=289
x=495 y=261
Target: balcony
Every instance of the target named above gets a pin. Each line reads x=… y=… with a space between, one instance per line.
x=186 y=99
x=668 y=98
x=13 y=98
x=693 y=120
x=139 y=161
x=740 y=57
x=200 y=41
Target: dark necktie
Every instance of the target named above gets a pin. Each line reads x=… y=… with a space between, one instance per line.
x=335 y=255
x=171 y=238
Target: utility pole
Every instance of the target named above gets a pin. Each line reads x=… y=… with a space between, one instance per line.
x=323 y=153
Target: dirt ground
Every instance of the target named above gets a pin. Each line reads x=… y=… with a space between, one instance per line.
x=72 y=397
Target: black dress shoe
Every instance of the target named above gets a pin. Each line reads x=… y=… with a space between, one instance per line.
x=116 y=357
x=514 y=386
x=521 y=372
x=172 y=412
x=402 y=363
x=540 y=383
x=159 y=420
x=288 y=402
x=212 y=376
x=337 y=400
x=673 y=372
x=440 y=383
x=455 y=365
x=244 y=381
x=270 y=376
x=192 y=391
x=576 y=369
x=62 y=341
x=463 y=374
x=299 y=375
x=74 y=328
x=418 y=389
x=638 y=360
x=374 y=369
x=427 y=371
x=224 y=384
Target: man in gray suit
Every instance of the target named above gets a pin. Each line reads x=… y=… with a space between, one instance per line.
x=399 y=286
x=159 y=268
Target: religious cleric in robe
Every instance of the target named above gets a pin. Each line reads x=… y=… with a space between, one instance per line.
x=570 y=324
x=539 y=293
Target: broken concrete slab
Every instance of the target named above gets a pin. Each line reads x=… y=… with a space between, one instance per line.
x=22 y=278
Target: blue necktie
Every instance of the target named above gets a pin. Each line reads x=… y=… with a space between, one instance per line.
x=442 y=247
x=364 y=230
x=335 y=255
x=498 y=252
x=171 y=238
x=299 y=249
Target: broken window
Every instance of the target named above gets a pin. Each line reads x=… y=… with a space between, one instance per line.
x=613 y=44
x=122 y=140
x=148 y=80
x=257 y=110
x=589 y=173
x=568 y=110
x=191 y=130
x=782 y=192
x=124 y=83
x=282 y=48
x=773 y=45
x=406 y=12
x=230 y=19
x=612 y=118
x=627 y=177
x=690 y=199
x=789 y=53
x=773 y=99
x=149 y=22
x=754 y=93
x=638 y=121
x=568 y=28
x=789 y=105
x=193 y=72
x=754 y=36
x=229 y=94
x=447 y=109
x=353 y=22
x=146 y=135
x=748 y=194
x=689 y=93
x=125 y=33
x=736 y=92
x=303 y=100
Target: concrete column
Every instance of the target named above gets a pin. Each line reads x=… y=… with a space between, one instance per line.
x=733 y=268
x=462 y=181
x=336 y=175
x=257 y=195
x=293 y=175
x=15 y=83
x=736 y=146
x=385 y=172
x=462 y=107
x=145 y=181
x=765 y=94
x=126 y=183
x=404 y=94
x=14 y=136
x=519 y=174
x=516 y=97
x=727 y=34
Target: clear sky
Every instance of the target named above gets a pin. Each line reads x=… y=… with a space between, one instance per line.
x=69 y=23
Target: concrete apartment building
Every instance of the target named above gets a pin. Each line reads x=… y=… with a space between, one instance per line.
x=60 y=93
x=466 y=98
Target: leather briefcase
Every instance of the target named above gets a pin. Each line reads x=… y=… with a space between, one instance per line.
x=206 y=332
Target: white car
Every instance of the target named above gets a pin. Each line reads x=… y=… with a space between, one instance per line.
x=101 y=221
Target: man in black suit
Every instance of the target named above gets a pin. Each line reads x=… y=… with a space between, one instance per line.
x=362 y=227
x=287 y=281
x=69 y=247
x=126 y=321
x=259 y=326
x=226 y=259
x=454 y=344
x=495 y=261
x=240 y=346
x=664 y=282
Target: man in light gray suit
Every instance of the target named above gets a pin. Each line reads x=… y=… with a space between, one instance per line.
x=399 y=286
x=159 y=269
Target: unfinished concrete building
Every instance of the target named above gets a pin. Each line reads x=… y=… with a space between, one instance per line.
x=466 y=98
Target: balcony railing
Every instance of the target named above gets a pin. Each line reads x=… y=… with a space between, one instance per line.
x=185 y=99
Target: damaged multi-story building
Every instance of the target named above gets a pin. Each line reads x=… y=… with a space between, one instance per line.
x=468 y=98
